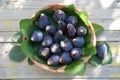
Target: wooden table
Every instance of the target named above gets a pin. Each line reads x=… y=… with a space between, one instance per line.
x=104 y=12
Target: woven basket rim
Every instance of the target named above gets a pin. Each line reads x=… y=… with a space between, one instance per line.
x=92 y=40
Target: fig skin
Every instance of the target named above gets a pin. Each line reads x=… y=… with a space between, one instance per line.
x=76 y=53
x=62 y=26
x=53 y=60
x=66 y=45
x=37 y=36
x=59 y=15
x=78 y=41
x=47 y=41
x=72 y=19
x=55 y=48
x=81 y=31
x=43 y=21
x=65 y=58
x=44 y=52
x=50 y=30
x=58 y=36
x=71 y=31
x=101 y=50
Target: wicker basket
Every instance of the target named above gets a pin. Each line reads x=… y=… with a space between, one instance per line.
x=85 y=59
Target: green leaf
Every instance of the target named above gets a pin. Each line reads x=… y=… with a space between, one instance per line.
x=84 y=16
x=87 y=37
x=76 y=68
x=17 y=37
x=89 y=50
x=16 y=54
x=30 y=62
x=31 y=49
x=27 y=26
x=98 y=28
x=69 y=10
x=49 y=13
x=96 y=61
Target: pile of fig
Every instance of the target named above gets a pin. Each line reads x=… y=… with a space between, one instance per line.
x=56 y=47
x=60 y=38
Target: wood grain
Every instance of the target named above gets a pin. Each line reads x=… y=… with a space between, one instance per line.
x=105 y=36
x=96 y=14
x=33 y=4
x=104 y=12
x=13 y=25
x=9 y=69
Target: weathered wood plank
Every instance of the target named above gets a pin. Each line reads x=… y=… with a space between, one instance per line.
x=6 y=4
x=34 y=72
x=13 y=25
x=97 y=4
x=109 y=36
x=104 y=12
x=6 y=47
x=9 y=69
x=93 y=13
x=108 y=24
x=9 y=25
x=105 y=36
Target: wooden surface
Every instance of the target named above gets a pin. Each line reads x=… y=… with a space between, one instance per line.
x=104 y=12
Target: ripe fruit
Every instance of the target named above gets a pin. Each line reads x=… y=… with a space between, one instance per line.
x=81 y=31
x=53 y=60
x=55 y=48
x=78 y=41
x=71 y=31
x=37 y=36
x=44 y=52
x=50 y=29
x=43 y=21
x=76 y=53
x=47 y=41
x=59 y=15
x=66 y=45
x=58 y=36
x=60 y=43
x=72 y=19
x=102 y=50
x=62 y=26
x=65 y=58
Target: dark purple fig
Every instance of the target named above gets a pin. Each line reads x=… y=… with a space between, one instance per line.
x=53 y=60
x=81 y=31
x=47 y=41
x=76 y=53
x=72 y=19
x=55 y=48
x=50 y=30
x=66 y=45
x=102 y=51
x=44 y=52
x=78 y=41
x=59 y=15
x=62 y=26
x=37 y=36
x=43 y=21
x=65 y=58
x=58 y=36
x=71 y=31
